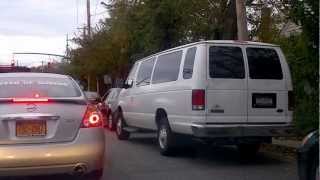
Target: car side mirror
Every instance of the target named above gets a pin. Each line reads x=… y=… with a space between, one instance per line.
x=128 y=84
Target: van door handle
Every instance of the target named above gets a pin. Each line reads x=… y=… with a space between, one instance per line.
x=279 y=110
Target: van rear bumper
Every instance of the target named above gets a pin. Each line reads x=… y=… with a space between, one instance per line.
x=241 y=130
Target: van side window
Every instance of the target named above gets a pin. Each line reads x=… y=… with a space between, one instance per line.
x=188 y=63
x=167 y=67
x=226 y=62
x=144 y=73
x=132 y=73
x=264 y=63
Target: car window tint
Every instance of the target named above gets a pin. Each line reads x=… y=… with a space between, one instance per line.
x=264 y=63
x=43 y=86
x=144 y=73
x=167 y=67
x=226 y=62
x=189 y=62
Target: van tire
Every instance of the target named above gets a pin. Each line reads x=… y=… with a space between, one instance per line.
x=165 y=138
x=248 y=150
x=121 y=133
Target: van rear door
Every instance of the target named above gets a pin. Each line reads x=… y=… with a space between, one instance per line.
x=226 y=101
x=267 y=90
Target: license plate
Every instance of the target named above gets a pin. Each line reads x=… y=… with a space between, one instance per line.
x=31 y=128
x=264 y=100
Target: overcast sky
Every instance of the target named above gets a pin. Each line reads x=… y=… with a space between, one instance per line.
x=41 y=26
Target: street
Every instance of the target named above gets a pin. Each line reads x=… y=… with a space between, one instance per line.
x=139 y=159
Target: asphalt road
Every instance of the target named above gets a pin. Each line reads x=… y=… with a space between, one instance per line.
x=139 y=159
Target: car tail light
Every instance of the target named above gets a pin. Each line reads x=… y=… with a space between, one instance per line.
x=198 y=99
x=290 y=100
x=92 y=118
x=30 y=100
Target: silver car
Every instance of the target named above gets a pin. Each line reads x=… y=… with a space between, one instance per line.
x=47 y=127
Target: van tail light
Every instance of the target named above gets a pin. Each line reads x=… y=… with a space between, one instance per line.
x=290 y=101
x=92 y=118
x=198 y=99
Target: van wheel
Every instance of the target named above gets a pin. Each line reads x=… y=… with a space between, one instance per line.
x=166 y=138
x=121 y=133
x=248 y=150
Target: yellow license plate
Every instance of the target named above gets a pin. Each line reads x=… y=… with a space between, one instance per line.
x=31 y=128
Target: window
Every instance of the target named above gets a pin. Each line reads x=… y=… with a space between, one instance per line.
x=188 y=63
x=132 y=73
x=226 y=62
x=44 y=86
x=167 y=67
x=145 y=70
x=264 y=63
x=110 y=96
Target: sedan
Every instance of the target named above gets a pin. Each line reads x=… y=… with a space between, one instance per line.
x=48 y=127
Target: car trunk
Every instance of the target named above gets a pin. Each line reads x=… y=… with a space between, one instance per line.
x=40 y=122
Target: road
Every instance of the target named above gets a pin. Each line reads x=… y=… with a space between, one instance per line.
x=139 y=159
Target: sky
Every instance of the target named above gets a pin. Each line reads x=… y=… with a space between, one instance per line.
x=41 y=26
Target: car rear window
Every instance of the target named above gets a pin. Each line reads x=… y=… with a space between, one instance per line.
x=264 y=63
x=13 y=87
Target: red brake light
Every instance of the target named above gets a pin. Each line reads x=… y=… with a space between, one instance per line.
x=92 y=118
x=198 y=99
x=30 y=100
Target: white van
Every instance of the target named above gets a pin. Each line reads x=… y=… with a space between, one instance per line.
x=225 y=92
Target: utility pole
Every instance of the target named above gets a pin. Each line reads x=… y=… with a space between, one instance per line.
x=88 y=36
x=242 y=20
x=88 y=18
x=42 y=66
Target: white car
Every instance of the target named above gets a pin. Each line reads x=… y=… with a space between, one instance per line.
x=224 y=92
x=111 y=103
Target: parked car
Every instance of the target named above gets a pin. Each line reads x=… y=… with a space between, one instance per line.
x=48 y=127
x=111 y=104
x=225 y=92
x=308 y=157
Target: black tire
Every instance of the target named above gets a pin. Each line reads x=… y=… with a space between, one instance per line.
x=166 y=138
x=121 y=133
x=314 y=174
x=111 y=124
x=248 y=150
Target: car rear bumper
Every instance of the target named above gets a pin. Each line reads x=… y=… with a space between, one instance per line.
x=240 y=130
x=85 y=152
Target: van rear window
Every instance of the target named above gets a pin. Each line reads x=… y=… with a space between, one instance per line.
x=226 y=62
x=25 y=87
x=264 y=63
